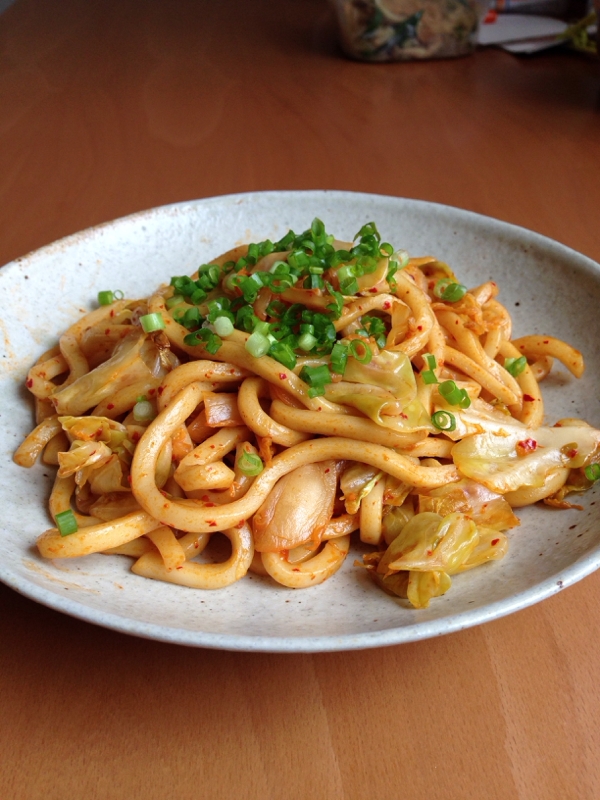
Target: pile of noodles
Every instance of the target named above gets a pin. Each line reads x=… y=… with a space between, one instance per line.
x=290 y=394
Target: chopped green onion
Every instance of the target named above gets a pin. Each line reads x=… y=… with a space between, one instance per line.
x=428 y=375
x=262 y=327
x=223 y=326
x=453 y=395
x=280 y=267
x=107 y=297
x=360 y=351
x=174 y=301
x=283 y=353
x=339 y=357
x=257 y=344
x=449 y=291
x=245 y=319
x=515 y=366
x=307 y=341
x=205 y=337
x=337 y=306
x=152 y=322
x=402 y=257
x=250 y=464
x=143 y=411
x=316 y=376
x=430 y=360
x=66 y=522
x=444 y=420
x=592 y=472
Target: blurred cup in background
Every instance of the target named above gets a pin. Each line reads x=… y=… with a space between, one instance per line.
x=407 y=30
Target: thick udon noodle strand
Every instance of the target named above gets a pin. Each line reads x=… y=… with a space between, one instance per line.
x=164 y=438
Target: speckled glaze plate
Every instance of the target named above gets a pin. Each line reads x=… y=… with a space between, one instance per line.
x=547 y=288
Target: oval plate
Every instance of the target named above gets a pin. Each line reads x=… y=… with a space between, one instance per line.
x=546 y=287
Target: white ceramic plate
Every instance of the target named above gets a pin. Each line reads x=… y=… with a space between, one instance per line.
x=547 y=288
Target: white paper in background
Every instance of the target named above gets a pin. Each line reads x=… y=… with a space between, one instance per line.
x=521 y=33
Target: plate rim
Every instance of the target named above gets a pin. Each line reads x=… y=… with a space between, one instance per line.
x=579 y=569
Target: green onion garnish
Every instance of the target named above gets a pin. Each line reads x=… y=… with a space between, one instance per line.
x=316 y=378
x=428 y=375
x=175 y=300
x=205 y=337
x=283 y=352
x=143 y=411
x=307 y=341
x=257 y=344
x=107 y=297
x=223 y=326
x=449 y=291
x=250 y=464
x=360 y=351
x=444 y=420
x=592 y=472
x=515 y=365
x=339 y=357
x=66 y=522
x=453 y=395
x=152 y=322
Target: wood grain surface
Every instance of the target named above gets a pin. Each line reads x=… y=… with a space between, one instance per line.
x=113 y=106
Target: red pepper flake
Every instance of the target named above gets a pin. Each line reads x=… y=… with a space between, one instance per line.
x=327 y=470
x=419 y=327
x=545 y=341
x=282 y=376
x=403 y=415
x=151 y=392
x=135 y=436
x=210 y=505
x=112 y=313
x=374 y=290
x=526 y=446
x=296 y=569
x=107 y=331
x=161 y=389
x=181 y=567
x=166 y=505
x=569 y=450
x=528 y=398
x=29 y=383
x=212 y=523
x=241 y=523
x=129 y=480
x=110 y=406
x=494 y=542
x=387 y=305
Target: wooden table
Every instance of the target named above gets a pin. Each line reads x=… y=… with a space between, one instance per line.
x=111 y=107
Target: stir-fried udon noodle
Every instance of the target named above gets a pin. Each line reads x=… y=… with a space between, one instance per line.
x=293 y=394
